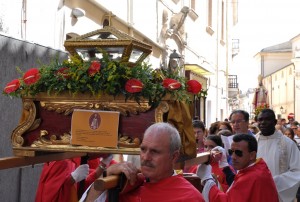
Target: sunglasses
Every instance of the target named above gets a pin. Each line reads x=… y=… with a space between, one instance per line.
x=239 y=153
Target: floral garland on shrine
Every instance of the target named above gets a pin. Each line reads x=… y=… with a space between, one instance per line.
x=259 y=108
x=100 y=77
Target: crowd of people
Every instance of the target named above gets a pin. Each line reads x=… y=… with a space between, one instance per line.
x=250 y=161
x=276 y=147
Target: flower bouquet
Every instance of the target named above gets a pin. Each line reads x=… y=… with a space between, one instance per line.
x=103 y=77
x=259 y=108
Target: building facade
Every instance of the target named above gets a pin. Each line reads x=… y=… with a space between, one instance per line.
x=280 y=68
x=199 y=31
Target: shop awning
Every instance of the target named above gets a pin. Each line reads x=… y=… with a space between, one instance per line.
x=197 y=69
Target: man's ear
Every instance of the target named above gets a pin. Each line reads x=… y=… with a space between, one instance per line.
x=175 y=156
x=253 y=155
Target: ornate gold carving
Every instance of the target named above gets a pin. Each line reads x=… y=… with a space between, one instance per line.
x=42 y=141
x=128 y=142
x=35 y=124
x=28 y=118
x=162 y=108
x=65 y=104
x=68 y=107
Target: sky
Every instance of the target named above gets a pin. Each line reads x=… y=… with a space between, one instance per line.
x=262 y=23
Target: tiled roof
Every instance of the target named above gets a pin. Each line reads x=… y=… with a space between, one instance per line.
x=283 y=47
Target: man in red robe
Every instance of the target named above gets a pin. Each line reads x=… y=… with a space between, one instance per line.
x=252 y=183
x=157 y=181
x=58 y=180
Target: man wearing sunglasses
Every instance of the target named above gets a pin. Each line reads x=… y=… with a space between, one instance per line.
x=253 y=181
x=281 y=155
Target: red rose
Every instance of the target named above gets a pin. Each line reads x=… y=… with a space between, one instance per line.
x=64 y=72
x=94 y=68
x=31 y=76
x=194 y=86
x=12 y=86
x=134 y=86
x=171 y=84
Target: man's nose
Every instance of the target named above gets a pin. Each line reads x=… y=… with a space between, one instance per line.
x=146 y=155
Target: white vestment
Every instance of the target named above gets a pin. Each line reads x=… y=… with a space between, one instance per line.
x=283 y=159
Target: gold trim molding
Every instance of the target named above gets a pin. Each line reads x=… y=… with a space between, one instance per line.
x=65 y=105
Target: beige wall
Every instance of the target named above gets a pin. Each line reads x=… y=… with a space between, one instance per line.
x=273 y=62
x=280 y=85
x=281 y=90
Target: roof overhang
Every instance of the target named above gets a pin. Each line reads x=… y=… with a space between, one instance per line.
x=197 y=69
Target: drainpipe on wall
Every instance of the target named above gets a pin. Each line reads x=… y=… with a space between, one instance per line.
x=217 y=63
x=23 y=19
x=227 y=51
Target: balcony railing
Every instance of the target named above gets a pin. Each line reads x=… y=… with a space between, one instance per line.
x=235 y=47
x=232 y=81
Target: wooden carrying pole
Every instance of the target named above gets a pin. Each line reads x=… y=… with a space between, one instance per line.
x=199 y=159
x=112 y=181
x=105 y=183
x=12 y=162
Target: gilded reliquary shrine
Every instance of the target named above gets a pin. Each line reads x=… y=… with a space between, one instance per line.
x=117 y=44
x=104 y=73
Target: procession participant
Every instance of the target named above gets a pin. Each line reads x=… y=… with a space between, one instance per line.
x=253 y=181
x=214 y=143
x=224 y=125
x=239 y=120
x=291 y=119
x=281 y=155
x=200 y=133
x=58 y=180
x=289 y=132
x=160 y=150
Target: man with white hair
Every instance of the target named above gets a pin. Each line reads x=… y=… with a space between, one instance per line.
x=157 y=180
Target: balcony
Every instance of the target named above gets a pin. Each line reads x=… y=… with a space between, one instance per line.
x=233 y=86
x=235 y=47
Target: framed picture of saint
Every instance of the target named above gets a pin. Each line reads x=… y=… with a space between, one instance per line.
x=94 y=121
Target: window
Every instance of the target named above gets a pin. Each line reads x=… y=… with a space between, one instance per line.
x=105 y=22
x=193 y=4
x=223 y=22
x=209 y=13
x=193 y=14
x=209 y=17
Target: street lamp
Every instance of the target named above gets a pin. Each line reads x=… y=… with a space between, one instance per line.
x=174 y=61
x=282 y=111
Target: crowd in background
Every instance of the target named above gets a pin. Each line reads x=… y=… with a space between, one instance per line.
x=277 y=151
x=290 y=128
